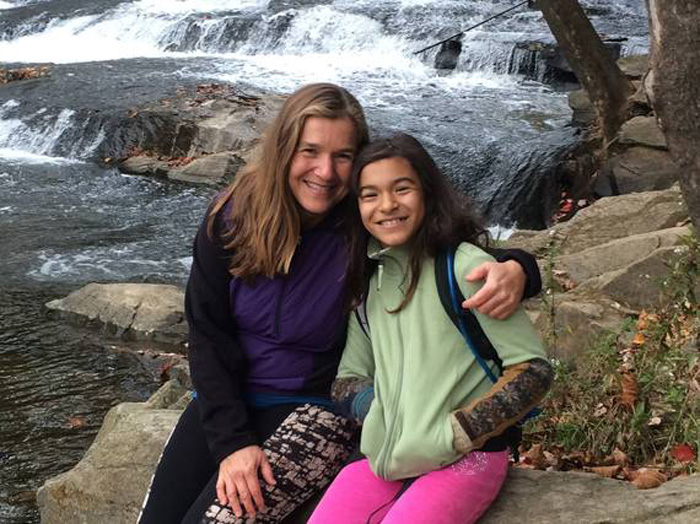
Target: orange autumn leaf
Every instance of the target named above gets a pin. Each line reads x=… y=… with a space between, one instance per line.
x=649 y=478
x=620 y=457
x=630 y=390
x=683 y=453
x=638 y=340
x=606 y=471
x=535 y=457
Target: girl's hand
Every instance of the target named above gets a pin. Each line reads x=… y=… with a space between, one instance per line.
x=501 y=293
x=238 y=484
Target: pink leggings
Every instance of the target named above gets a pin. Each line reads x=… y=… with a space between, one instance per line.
x=459 y=493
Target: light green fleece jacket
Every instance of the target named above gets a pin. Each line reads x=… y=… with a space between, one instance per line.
x=420 y=365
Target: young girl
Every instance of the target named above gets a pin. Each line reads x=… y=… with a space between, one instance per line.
x=429 y=412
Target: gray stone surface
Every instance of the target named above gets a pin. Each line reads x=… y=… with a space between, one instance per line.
x=545 y=497
x=216 y=169
x=580 y=104
x=642 y=130
x=642 y=169
x=635 y=66
x=138 y=311
x=108 y=485
x=143 y=165
x=639 y=285
x=617 y=254
x=578 y=322
x=608 y=219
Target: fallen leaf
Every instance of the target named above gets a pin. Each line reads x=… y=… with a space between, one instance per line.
x=649 y=478
x=683 y=453
x=76 y=422
x=630 y=390
x=535 y=457
x=606 y=471
x=620 y=457
x=639 y=340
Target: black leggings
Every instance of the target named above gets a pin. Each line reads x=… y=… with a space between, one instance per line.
x=294 y=437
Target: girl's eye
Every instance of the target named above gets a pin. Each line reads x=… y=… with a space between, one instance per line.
x=367 y=196
x=403 y=189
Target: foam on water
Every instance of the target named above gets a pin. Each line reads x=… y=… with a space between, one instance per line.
x=24 y=157
x=198 y=6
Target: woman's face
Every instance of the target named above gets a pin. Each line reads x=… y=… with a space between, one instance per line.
x=319 y=174
x=391 y=201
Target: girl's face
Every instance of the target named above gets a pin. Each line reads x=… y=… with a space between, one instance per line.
x=319 y=175
x=391 y=201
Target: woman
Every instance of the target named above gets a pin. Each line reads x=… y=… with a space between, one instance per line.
x=267 y=307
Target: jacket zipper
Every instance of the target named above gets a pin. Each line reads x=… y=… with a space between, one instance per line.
x=388 y=441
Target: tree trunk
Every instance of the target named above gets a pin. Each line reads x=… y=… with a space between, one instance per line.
x=674 y=87
x=607 y=86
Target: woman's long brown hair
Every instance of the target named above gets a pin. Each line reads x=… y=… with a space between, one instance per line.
x=448 y=221
x=262 y=228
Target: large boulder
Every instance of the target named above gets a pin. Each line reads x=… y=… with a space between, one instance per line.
x=200 y=138
x=551 y=497
x=635 y=170
x=617 y=254
x=573 y=323
x=642 y=130
x=606 y=220
x=133 y=311
x=110 y=482
x=639 y=285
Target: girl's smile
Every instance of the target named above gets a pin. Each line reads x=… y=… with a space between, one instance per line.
x=391 y=201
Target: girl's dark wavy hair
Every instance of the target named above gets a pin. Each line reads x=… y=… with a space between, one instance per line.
x=449 y=219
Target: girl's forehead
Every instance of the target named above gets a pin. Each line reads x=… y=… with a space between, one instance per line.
x=387 y=170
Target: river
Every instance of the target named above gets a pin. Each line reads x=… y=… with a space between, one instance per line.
x=65 y=219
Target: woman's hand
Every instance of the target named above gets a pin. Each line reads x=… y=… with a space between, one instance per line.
x=502 y=292
x=238 y=485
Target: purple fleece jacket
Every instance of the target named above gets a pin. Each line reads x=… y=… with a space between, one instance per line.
x=280 y=336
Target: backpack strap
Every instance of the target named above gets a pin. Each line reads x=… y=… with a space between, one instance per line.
x=466 y=322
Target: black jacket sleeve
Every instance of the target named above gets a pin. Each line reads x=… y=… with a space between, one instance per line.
x=217 y=362
x=533 y=285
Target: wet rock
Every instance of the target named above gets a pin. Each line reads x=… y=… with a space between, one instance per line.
x=635 y=66
x=216 y=169
x=23 y=73
x=447 y=56
x=642 y=130
x=108 y=485
x=583 y=110
x=202 y=137
x=143 y=165
x=551 y=497
x=133 y=311
x=635 y=170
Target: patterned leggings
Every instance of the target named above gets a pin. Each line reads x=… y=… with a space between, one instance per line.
x=306 y=450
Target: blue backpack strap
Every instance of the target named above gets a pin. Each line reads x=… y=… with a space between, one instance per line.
x=461 y=323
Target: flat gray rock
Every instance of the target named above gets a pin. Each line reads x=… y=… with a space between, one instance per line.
x=642 y=130
x=138 y=311
x=543 y=497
